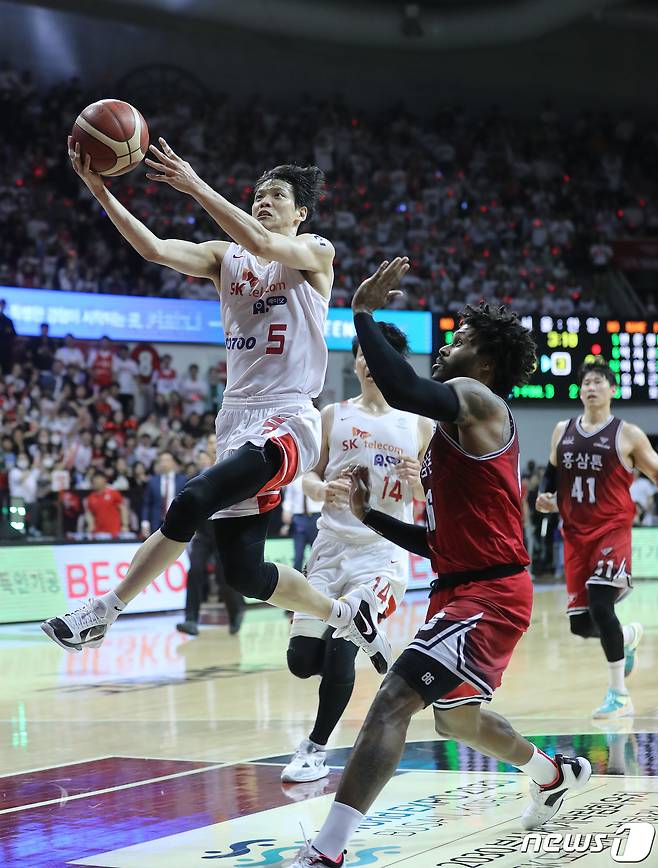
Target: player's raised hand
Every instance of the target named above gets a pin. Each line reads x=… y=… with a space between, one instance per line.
x=546 y=502
x=380 y=288
x=82 y=168
x=360 y=491
x=171 y=169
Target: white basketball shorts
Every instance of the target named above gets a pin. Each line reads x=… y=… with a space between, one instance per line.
x=337 y=567
x=291 y=422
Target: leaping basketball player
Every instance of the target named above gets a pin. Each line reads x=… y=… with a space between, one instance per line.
x=274 y=285
x=346 y=554
x=482 y=599
x=587 y=479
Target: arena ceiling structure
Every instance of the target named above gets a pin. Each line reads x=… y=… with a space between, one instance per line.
x=429 y=25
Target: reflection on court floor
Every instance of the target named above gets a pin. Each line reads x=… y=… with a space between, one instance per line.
x=133 y=754
x=121 y=812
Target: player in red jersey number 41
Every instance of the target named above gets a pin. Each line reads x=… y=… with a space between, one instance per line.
x=588 y=479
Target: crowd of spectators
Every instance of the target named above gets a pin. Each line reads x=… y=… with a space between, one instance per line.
x=518 y=209
x=84 y=429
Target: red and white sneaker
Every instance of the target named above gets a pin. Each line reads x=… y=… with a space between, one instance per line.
x=309 y=857
x=573 y=774
x=363 y=629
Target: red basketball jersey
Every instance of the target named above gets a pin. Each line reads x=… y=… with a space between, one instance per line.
x=474 y=515
x=593 y=491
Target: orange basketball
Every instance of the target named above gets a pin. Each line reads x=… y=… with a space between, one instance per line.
x=114 y=134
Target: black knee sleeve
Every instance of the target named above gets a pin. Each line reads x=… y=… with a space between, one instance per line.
x=582 y=625
x=255 y=580
x=189 y=509
x=238 y=477
x=601 y=599
x=241 y=548
x=306 y=656
x=339 y=661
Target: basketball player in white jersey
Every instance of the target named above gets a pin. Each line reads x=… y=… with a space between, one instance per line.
x=346 y=554
x=274 y=286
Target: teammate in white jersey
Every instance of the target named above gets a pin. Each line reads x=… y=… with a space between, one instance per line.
x=274 y=286
x=346 y=554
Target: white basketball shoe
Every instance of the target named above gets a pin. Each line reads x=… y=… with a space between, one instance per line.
x=573 y=774
x=363 y=629
x=85 y=626
x=308 y=764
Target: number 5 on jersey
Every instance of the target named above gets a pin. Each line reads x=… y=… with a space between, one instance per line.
x=276 y=339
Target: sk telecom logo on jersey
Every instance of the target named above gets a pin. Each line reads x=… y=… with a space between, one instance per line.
x=357 y=434
x=625 y=849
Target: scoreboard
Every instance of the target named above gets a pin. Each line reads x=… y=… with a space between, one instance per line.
x=564 y=343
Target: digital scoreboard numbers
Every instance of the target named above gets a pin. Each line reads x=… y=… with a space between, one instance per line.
x=564 y=343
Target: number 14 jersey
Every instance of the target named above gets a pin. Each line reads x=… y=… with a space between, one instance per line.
x=593 y=482
x=378 y=443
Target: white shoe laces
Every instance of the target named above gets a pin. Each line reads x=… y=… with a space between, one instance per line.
x=85 y=616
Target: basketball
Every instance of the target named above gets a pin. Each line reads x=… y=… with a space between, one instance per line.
x=114 y=134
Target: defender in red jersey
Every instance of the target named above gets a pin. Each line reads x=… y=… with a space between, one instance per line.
x=588 y=480
x=482 y=600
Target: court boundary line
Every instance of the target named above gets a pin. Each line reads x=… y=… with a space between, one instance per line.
x=62 y=800
x=60 y=766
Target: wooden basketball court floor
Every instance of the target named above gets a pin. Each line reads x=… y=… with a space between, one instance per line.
x=161 y=750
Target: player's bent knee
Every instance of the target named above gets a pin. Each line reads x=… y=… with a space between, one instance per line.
x=305 y=656
x=581 y=625
x=191 y=506
x=257 y=581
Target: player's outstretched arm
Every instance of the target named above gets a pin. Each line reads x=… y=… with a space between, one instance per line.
x=411 y=537
x=196 y=260
x=305 y=252
x=395 y=377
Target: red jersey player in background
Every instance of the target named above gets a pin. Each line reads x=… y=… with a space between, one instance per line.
x=587 y=479
x=481 y=603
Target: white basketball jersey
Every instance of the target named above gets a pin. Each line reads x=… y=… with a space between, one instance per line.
x=274 y=326
x=377 y=442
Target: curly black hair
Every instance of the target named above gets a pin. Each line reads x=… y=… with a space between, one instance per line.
x=597 y=365
x=502 y=336
x=396 y=338
x=306 y=182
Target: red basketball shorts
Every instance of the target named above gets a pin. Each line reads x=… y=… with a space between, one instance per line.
x=471 y=631
x=604 y=560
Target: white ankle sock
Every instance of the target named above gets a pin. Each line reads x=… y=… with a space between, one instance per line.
x=616 y=676
x=113 y=605
x=629 y=633
x=337 y=830
x=309 y=745
x=540 y=768
x=341 y=613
